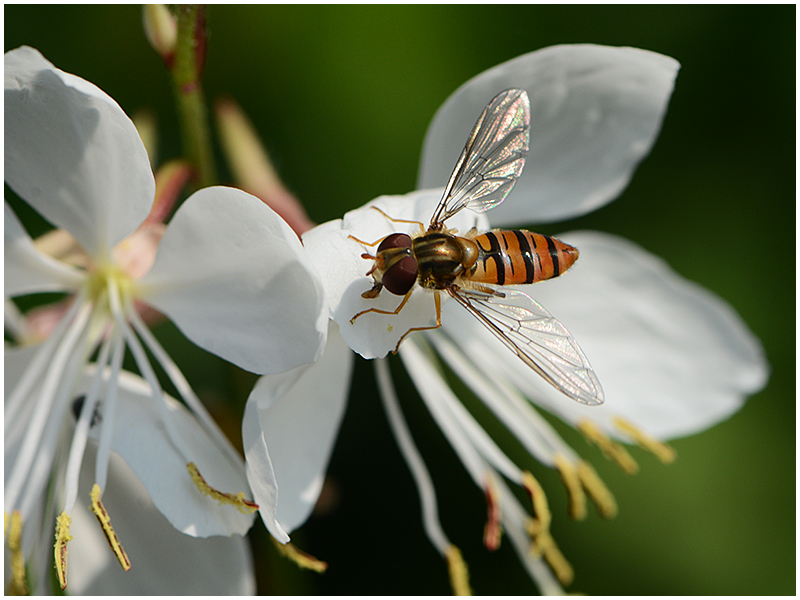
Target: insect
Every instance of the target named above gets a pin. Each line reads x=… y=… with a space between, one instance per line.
x=467 y=267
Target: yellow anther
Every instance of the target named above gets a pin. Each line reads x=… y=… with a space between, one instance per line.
x=541 y=510
x=543 y=543
x=613 y=450
x=558 y=563
x=493 y=530
x=537 y=534
x=238 y=500
x=17 y=585
x=300 y=558
x=601 y=496
x=105 y=522
x=570 y=479
x=665 y=453
x=459 y=574
x=539 y=524
x=63 y=521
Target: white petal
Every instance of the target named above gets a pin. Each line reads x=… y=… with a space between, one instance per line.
x=260 y=471
x=141 y=440
x=343 y=270
x=299 y=413
x=595 y=113
x=163 y=560
x=28 y=270
x=672 y=357
x=235 y=279
x=73 y=154
x=15 y=361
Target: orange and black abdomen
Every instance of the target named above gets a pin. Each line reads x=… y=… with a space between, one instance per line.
x=508 y=257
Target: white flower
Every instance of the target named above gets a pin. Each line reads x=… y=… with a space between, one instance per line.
x=224 y=272
x=673 y=359
x=166 y=560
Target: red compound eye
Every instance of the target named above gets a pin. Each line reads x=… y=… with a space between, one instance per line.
x=401 y=276
x=396 y=240
x=402 y=273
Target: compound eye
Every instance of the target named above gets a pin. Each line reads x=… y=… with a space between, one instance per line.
x=399 y=278
x=396 y=240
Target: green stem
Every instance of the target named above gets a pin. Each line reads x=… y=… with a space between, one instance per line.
x=192 y=111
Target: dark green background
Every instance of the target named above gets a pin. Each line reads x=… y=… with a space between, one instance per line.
x=343 y=95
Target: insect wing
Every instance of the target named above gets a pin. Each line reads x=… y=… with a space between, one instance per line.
x=534 y=335
x=492 y=159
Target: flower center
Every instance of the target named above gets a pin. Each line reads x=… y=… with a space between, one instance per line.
x=100 y=279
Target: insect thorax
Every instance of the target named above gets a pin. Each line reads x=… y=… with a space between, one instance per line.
x=441 y=259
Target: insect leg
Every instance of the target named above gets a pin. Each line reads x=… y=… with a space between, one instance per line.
x=378 y=241
x=384 y=312
x=375 y=243
x=438 y=303
x=421 y=226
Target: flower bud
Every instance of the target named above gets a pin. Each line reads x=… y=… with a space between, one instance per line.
x=251 y=166
x=161 y=30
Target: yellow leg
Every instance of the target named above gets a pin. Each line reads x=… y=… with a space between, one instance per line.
x=384 y=312
x=438 y=303
x=375 y=243
x=421 y=226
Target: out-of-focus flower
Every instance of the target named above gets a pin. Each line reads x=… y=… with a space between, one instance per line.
x=673 y=358
x=252 y=168
x=161 y=30
x=223 y=271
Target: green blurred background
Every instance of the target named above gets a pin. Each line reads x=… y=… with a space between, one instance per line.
x=342 y=97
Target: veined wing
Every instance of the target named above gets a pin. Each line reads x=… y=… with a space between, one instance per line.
x=534 y=335
x=492 y=159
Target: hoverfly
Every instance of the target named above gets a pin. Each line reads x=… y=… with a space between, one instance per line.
x=466 y=267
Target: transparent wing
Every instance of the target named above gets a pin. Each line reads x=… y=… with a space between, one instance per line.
x=492 y=159
x=537 y=338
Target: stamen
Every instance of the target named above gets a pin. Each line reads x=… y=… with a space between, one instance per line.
x=300 y=558
x=18 y=585
x=539 y=524
x=663 y=451
x=50 y=404
x=601 y=496
x=515 y=412
x=63 y=521
x=239 y=501
x=146 y=370
x=107 y=432
x=459 y=574
x=570 y=479
x=543 y=543
x=105 y=522
x=86 y=416
x=183 y=387
x=613 y=450
x=493 y=530
x=41 y=361
x=558 y=563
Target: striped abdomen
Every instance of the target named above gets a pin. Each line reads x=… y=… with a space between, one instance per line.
x=507 y=257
